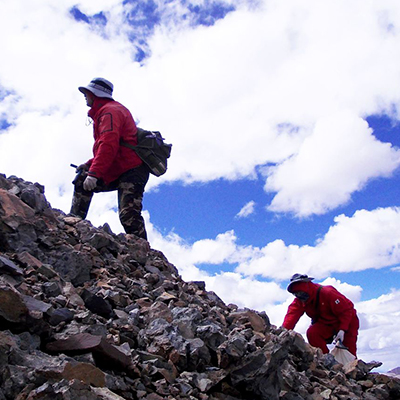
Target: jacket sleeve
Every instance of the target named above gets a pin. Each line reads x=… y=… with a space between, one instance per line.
x=107 y=143
x=294 y=313
x=342 y=308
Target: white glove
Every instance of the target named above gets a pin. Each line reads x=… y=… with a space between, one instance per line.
x=339 y=337
x=90 y=183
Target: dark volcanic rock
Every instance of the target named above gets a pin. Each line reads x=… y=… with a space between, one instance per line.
x=8 y=267
x=85 y=342
x=12 y=305
x=87 y=314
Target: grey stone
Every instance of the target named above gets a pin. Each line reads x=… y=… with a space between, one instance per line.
x=211 y=333
x=73 y=265
x=28 y=342
x=107 y=353
x=102 y=240
x=8 y=267
x=51 y=289
x=61 y=315
x=97 y=304
x=235 y=346
x=33 y=195
x=12 y=305
x=37 y=305
x=47 y=270
x=186 y=319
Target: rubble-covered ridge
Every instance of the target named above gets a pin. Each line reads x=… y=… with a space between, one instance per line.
x=86 y=314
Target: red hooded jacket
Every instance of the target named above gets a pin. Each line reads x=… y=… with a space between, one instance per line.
x=111 y=122
x=332 y=309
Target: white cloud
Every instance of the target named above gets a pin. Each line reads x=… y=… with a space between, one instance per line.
x=368 y=239
x=246 y=210
x=339 y=158
x=292 y=75
x=234 y=84
x=365 y=240
x=351 y=292
x=246 y=292
x=379 y=337
x=231 y=287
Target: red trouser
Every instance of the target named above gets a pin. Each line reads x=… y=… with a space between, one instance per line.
x=319 y=334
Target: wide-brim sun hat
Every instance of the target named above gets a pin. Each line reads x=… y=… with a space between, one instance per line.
x=100 y=87
x=298 y=278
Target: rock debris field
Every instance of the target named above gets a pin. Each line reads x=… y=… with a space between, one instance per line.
x=87 y=314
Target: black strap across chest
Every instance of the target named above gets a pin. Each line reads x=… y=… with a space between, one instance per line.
x=315 y=319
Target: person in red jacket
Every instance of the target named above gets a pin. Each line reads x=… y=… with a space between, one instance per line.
x=333 y=315
x=113 y=167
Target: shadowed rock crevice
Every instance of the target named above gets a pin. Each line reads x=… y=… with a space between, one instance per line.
x=88 y=314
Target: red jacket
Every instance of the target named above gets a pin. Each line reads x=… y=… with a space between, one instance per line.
x=111 y=122
x=333 y=309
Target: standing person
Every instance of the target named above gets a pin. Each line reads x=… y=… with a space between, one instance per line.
x=113 y=167
x=333 y=316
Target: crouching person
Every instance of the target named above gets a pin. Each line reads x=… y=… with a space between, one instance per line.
x=333 y=316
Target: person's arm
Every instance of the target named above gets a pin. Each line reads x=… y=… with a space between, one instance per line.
x=109 y=128
x=294 y=313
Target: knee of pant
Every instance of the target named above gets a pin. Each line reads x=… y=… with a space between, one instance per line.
x=311 y=331
x=131 y=209
x=314 y=333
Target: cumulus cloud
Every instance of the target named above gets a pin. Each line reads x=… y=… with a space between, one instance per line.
x=379 y=337
x=350 y=291
x=246 y=210
x=368 y=239
x=246 y=292
x=260 y=75
x=293 y=76
x=337 y=159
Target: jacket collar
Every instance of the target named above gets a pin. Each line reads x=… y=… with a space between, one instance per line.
x=98 y=103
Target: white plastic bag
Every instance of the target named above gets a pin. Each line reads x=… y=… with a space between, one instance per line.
x=342 y=355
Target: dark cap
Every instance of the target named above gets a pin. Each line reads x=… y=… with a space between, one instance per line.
x=298 y=278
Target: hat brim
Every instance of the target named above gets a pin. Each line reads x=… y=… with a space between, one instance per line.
x=96 y=92
x=308 y=279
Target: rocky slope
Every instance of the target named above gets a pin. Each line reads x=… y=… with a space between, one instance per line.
x=87 y=314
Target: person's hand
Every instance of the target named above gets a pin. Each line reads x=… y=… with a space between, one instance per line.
x=339 y=337
x=90 y=183
x=82 y=167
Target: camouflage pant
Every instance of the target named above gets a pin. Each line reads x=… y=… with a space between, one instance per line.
x=130 y=196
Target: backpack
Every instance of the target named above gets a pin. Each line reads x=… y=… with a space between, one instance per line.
x=152 y=150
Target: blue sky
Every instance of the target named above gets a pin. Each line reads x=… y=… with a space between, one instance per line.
x=284 y=120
